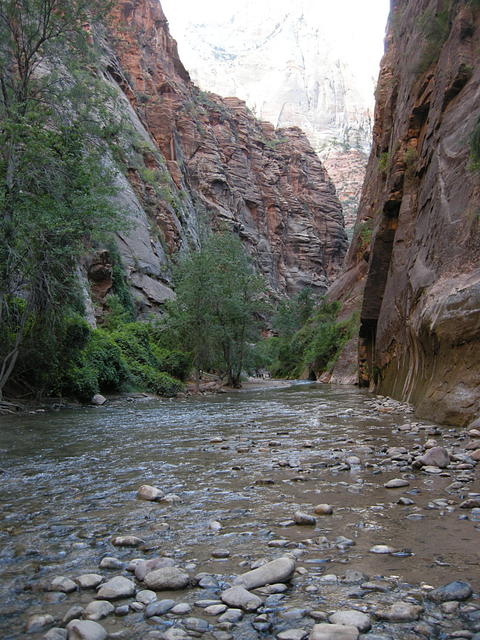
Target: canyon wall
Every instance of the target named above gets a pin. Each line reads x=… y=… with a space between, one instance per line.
x=306 y=64
x=414 y=265
x=193 y=160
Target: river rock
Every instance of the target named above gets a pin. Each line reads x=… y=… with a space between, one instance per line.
x=334 y=632
x=239 y=598
x=292 y=634
x=111 y=563
x=127 y=541
x=381 y=548
x=304 y=518
x=434 y=457
x=85 y=630
x=147 y=492
x=98 y=399
x=158 y=608
x=352 y=617
x=38 y=622
x=89 y=580
x=470 y=503
x=215 y=609
x=279 y=570
x=400 y=612
x=396 y=483
x=146 y=566
x=456 y=590
x=324 y=509
x=475 y=455
x=118 y=587
x=198 y=625
x=181 y=609
x=73 y=613
x=57 y=633
x=175 y=633
x=62 y=584
x=231 y=616
x=167 y=578
x=98 y=609
x=146 y=596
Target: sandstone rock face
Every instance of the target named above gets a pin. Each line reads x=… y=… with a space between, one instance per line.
x=418 y=232
x=195 y=159
x=292 y=71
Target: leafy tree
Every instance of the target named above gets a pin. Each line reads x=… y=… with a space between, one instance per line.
x=54 y=184
x=216 y=315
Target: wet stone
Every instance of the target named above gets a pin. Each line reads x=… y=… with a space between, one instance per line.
x=85 y=630
x=159 y=608
x=62 y=584
x=122 y=610
x=196 y=624
x=98 y=609
x=352 y=617
x=89 y=580
x=146 y=566
x=304 y=519
x=333 y=632
x=39 y=622
x=239 y=597
x=115 y=588
x=74 y=612
x=146 y=596
x=181 y=609
x=167 y=578
x=456 y=590
x=400 y=612
x=279 y=570
x=55 y=634
x=292 y=634
x=231 y=615
x=215 y=609
x=111 y=563
x=127 y=541
x=323 y=509
x=396 y=483
x=147 y=492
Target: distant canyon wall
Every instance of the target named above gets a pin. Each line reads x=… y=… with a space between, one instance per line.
x=413 y=268
x=194 y=160
x=285 y=60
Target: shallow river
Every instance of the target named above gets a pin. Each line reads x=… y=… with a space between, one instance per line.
x=246 y=460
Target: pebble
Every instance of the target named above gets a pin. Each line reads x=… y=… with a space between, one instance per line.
x=231 y=615
x=181 y=609
x=215 y=609
x=62 y=584
x=196 y=624
x=55 y=634
x=73 y=613
x=159 y=607
x=146 y=596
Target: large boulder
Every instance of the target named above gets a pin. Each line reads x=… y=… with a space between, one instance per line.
x=147 y=492
x=279 y=570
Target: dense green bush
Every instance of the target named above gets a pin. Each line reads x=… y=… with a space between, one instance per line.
x=176 y=363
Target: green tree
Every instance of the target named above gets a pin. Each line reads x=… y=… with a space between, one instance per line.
x=217 y=312
x=54 y=184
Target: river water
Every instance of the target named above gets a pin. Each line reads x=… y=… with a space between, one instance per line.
x=247 y=460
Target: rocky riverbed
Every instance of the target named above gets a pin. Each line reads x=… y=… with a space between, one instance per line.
x=290 y=513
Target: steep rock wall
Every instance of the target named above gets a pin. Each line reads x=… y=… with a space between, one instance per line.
x=417 y=236
x=194 y=159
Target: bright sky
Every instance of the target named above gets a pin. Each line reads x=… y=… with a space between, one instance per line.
x=355 y=28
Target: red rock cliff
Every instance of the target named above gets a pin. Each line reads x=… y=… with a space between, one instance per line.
x=414 y=262
x=208 y=158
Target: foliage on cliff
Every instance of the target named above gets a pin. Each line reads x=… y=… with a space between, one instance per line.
x=309 y=339
x=54 y=186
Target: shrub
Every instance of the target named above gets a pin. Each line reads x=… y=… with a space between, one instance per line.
x=176 y=363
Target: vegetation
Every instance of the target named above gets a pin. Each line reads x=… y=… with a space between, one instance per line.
x=384 y=162
x=54 y=185
x=309 y=339
x=216 y=315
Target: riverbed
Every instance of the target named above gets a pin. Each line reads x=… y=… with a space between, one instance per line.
x=235 y=468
